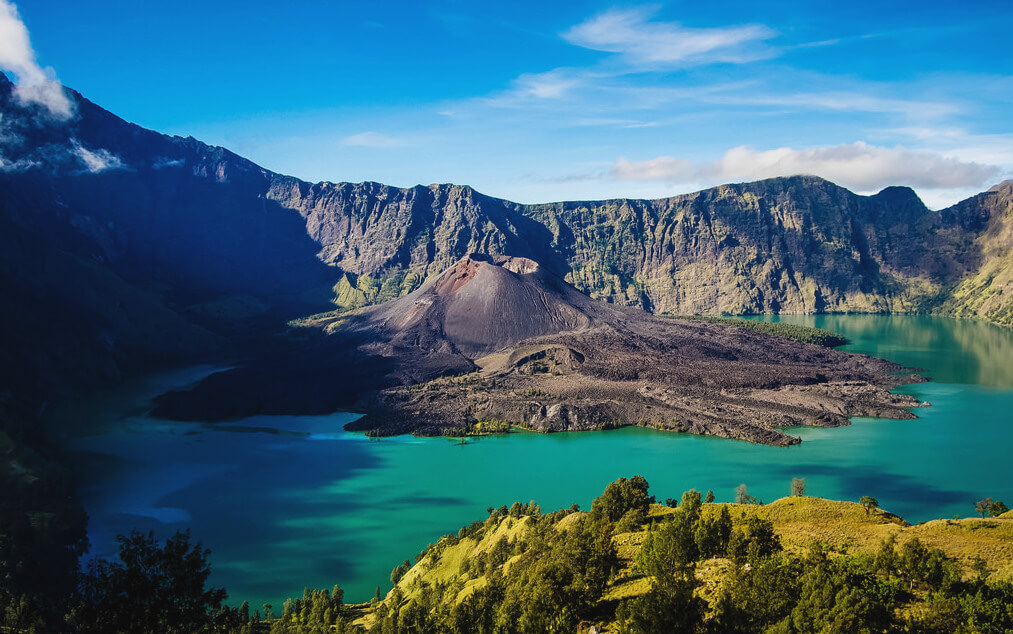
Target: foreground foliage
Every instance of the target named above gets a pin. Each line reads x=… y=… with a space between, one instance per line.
x=627 y=565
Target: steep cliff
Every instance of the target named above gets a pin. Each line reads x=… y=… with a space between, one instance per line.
x=785 y=245
x=988 y=292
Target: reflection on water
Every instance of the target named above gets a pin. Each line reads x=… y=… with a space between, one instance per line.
x=287 y=502
x=952 y=350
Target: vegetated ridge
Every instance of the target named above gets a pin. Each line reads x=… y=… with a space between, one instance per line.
x=630 y=565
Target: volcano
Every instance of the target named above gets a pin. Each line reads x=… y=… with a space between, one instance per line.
x=480 y=305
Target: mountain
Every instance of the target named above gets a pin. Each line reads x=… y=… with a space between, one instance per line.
x=480 y=305
x=784 y=245
x=124 y=249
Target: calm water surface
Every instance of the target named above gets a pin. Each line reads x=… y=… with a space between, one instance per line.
x=288 y=502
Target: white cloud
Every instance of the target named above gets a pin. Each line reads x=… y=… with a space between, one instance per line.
x=551 y=85
x=371 y=139
x=35 y=84
x=96 y=161
x=858 y=166
x=851 y=101
x=164 y=162
x=630 y=33
x=19 y=165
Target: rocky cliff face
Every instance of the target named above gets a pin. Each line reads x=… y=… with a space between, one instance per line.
x=784 y=245
x=986 y=293
x=792 y=245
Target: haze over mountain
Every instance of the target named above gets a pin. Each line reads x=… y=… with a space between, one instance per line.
x=124 y=248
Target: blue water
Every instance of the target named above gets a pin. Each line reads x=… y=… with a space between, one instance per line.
x=288 y=502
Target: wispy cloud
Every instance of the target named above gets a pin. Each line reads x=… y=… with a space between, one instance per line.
x=640 y=41
x=858 y=166
x=372 y=140
x=551 y=85
x=842 y=102
x=35 y=84
x=96 y=161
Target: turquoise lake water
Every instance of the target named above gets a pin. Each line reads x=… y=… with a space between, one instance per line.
x=288 y=502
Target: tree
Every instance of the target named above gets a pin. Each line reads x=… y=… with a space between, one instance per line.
x=869 y=503
x=982 y=506
x=797 y=487
x=691 y=503
x=753 y=542
x=151 y=588
x=631 y=521
x=710 y=498
x=670 y=606
x=399 y=571
x=670 y=550
x=620 y=497
x=997 y=508
x=742 y=495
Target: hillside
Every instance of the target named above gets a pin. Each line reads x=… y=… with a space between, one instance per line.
x=799 y=563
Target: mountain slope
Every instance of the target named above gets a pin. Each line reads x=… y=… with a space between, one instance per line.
x=988 y=292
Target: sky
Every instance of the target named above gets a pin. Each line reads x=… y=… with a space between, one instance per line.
x=545 y=101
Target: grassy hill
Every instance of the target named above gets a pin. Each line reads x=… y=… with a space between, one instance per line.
x=499 y=567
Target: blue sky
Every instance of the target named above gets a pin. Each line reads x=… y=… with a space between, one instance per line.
x=540 y=101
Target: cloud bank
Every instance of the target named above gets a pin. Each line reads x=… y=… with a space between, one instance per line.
x=35 y=84
x=857 y=166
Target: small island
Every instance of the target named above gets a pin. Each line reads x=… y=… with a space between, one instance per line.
x=496 y=342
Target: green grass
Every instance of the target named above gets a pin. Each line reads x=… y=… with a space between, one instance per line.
x=805 y=334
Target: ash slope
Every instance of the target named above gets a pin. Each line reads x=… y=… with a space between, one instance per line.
x=546 y=357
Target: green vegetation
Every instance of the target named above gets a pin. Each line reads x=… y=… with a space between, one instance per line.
x=797 y=487
x=42 y=526
x=805 y=334
x=630 y=565
x=995 y=508
x=869 y=503
x=151 y=588
x=799 y=564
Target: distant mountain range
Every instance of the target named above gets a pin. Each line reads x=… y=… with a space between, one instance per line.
x=122 y=249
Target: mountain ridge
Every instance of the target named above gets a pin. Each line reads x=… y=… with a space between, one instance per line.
x=211 y=244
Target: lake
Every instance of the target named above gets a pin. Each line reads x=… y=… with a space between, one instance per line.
x=288 y=502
